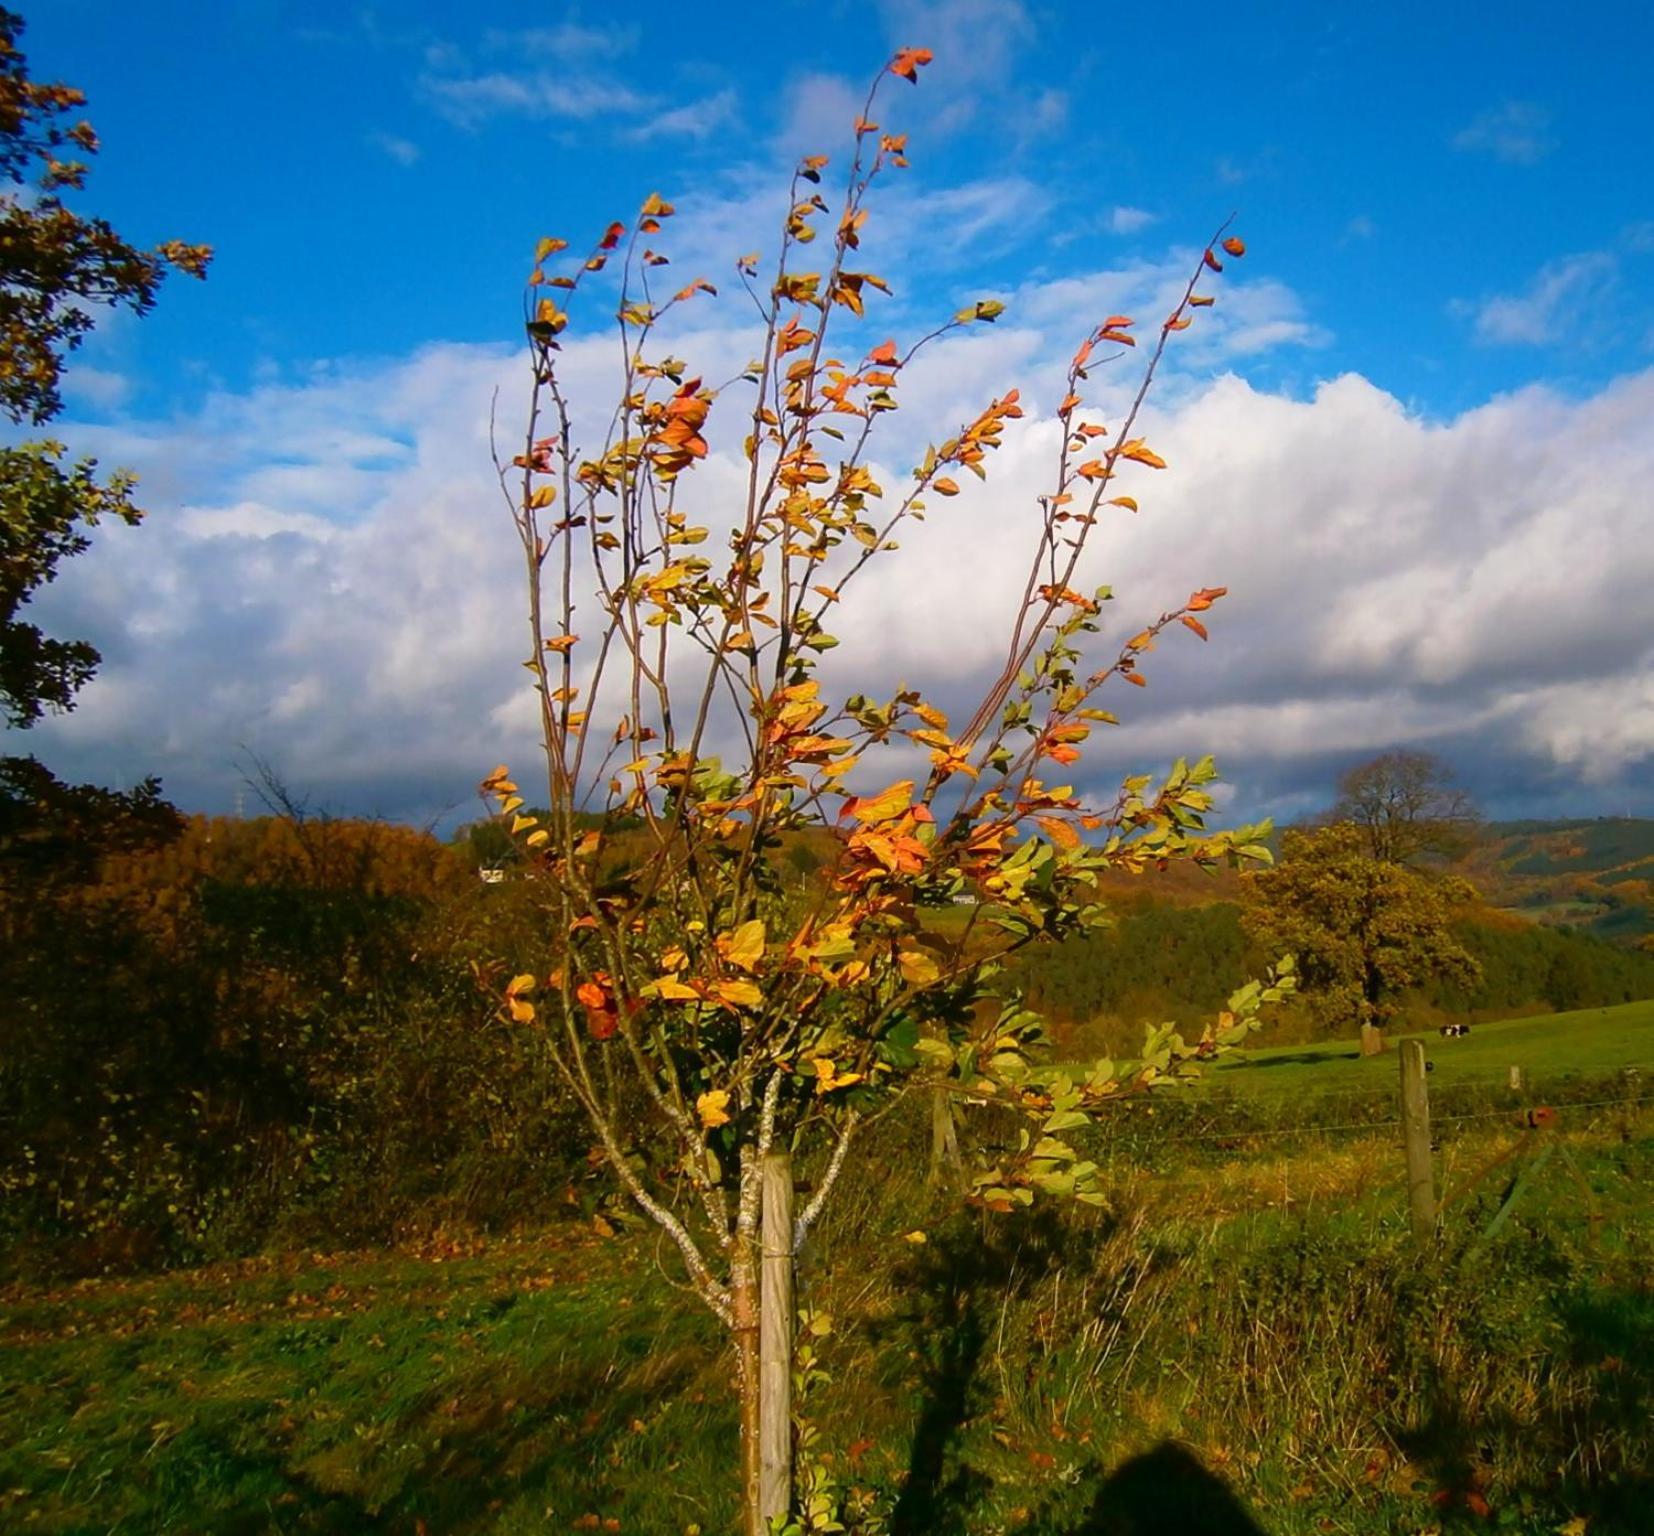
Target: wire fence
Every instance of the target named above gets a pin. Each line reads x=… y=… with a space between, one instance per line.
x=1186 y=1123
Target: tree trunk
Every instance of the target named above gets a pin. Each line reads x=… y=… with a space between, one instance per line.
x=775 y=1335
x=744 y=1321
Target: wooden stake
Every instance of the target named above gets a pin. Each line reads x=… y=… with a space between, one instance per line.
x=1415 y=1132
x=1515 y=1079
x=775 y=1340
x=945 y=1165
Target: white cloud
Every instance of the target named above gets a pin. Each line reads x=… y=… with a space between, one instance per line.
x=1566 y=301
x=694 y=120
x=1517 y=132
x=469 y=99
x=328 y=576
x=1130 y=221
x=101 y=388
x=564 y=41
x=403 y=151
x=816 y=113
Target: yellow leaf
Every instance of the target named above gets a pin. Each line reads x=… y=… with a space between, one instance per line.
x=745 y=946
x=828 y=1076
x=944 y=486
x=887 y=805
x=711 y=1107
x=561 y=642
x=674 y=991
x=521 y=1010
x=740 y=994
x=517 y=984
x=543 y=496
x=918 y=968
x=916 y=1237
x=1124 y=501
x=536 y=838
x=523 y=823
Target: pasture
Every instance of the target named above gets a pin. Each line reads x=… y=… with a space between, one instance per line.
x=1551 y=1049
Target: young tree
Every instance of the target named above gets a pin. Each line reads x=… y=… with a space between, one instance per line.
x=1406 y=804
x=1363 y=929
x=58 y=269
x=709 y=1011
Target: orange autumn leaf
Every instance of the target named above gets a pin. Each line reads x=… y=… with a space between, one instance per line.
x=884 y=353
x=1190 y=622
x=1139 y=451
x=1061 y=833
x=1235 y=246
x=908 y=62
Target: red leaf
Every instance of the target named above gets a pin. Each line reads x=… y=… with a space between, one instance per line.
x=611 y=236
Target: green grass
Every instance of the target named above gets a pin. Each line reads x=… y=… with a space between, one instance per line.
x=363 y=1393
x=1251 y=1324
x=1266 y=1337
x=1550 y=1049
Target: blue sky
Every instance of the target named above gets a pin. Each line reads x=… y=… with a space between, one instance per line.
x=1451 y=225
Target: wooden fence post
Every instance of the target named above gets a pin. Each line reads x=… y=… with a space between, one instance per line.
x=1514 y=1079
x=1415 y=1132
x=775 y=1339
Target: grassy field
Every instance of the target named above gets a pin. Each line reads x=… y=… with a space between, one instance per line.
x=1550 y=1049
x=1245 y=1338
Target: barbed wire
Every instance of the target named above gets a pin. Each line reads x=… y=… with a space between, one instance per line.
x=1248 y=1133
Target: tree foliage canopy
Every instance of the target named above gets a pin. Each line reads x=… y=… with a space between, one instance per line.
x=59 y=270
x=1364 y=929
x=1406 y=805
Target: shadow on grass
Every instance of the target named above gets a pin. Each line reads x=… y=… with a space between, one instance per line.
x=1608 y=1333
x=1314 y=1058
x=957 y=1286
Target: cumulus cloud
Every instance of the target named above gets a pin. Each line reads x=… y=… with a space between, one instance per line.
x=328 y=576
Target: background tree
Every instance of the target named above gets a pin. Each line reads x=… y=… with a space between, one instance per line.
x=1363 y=929
x=1406 y=804
x=710 y=1012
x=58 y=271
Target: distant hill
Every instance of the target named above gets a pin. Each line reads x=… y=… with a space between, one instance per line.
x=1595 y=875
